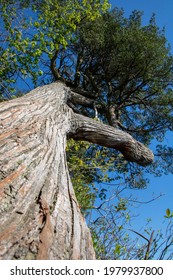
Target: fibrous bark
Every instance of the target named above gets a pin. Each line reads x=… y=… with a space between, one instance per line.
x=39 y=215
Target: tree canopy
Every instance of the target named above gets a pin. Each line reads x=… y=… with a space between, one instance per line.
x=129 y=68
x=34 y=31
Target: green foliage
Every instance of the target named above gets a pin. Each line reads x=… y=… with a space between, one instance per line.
x=131 y=67
x=168 y=214
x=110 y=238
x=87 y=166
x=35 y=30
x=58 y=20
x=121 y=205
x=81 y=174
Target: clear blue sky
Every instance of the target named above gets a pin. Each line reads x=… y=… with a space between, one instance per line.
x=156 y=210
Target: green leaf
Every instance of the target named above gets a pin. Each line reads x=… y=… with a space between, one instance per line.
x=168 y=212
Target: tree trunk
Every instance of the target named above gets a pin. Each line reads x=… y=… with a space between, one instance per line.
x=39 y=215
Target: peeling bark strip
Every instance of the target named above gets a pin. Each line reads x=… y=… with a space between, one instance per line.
x=46 y=233
x=39 y=215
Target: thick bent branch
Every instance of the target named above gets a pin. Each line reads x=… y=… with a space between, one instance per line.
x=76 y=98
x=84 y=128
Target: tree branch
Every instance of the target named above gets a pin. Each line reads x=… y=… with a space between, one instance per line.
x=84 y=128
x=53 y=68
x=76 y=98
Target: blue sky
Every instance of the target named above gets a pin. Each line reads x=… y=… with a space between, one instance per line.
x=156 y=210
x=162 y=8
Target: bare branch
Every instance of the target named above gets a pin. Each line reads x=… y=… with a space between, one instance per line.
x=84 y=128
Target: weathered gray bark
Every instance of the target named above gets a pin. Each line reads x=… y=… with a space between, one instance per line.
x=39 y=214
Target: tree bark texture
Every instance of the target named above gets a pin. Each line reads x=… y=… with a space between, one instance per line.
x=39 y=214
